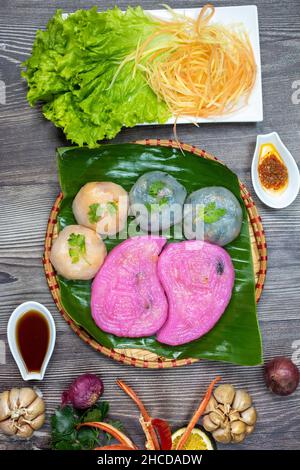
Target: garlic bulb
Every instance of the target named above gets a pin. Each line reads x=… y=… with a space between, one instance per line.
x=22 y=411
x=229 y=415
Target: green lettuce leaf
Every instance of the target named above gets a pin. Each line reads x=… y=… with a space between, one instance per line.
x=73 y=69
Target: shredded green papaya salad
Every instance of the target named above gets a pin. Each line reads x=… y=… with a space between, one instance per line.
x=74 y=70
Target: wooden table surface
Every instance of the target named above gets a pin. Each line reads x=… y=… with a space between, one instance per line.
x=29 y=185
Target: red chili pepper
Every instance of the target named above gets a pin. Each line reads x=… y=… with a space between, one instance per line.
x=164 y=432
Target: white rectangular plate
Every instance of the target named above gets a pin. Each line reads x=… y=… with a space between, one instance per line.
x=247 y=15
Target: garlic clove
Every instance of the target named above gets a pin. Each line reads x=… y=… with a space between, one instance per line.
x=14 y=394
x=224 y=394
x=238 y=437
x=24 y=431
x=238 y=427
x=38 y=392
x=27 y=396
x=221 y=408
x=249 y=429
x=38 y=422
x=36 y=408
x=216 y=417
x=8 y=427
x=225 y=422
x=249 y=416
x=4 y=405
x=222 y=435
x=208 y=424
x=242 y=400
x=211 y=405
x=234 y=416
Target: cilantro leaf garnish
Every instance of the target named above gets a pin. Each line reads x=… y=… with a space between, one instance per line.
x=96 y=413
x=163 y=201
x=116 y=424
x=211 y=213
x=65 y=434
x=155 y=188
x=96 y=210
x=112 y=207
x=93 y=213
x=77 y=248
x=157 y=206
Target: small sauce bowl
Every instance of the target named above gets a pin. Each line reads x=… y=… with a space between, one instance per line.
x=282 y=198
x=17 y=314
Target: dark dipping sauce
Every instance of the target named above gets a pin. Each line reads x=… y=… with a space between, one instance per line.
x=32 y=333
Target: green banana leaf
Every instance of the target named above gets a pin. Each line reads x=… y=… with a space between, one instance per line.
x=236 y=337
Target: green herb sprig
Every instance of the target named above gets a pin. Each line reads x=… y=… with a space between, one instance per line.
x=66 y=436
x=211 y=213
x=96 y=210
x=112 y=207
x=155 y=188
x=77 y=247
x=94 y=213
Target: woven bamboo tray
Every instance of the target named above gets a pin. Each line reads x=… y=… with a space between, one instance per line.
x=140 y=357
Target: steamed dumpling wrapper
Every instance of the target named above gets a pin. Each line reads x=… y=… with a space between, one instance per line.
x=156 y=200
x=101 y=206
x=212 y=214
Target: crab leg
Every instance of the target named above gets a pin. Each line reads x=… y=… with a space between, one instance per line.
x=114 y=447
x=200 y=410
x=150 y=445
x=145 y=420
x=120 y=436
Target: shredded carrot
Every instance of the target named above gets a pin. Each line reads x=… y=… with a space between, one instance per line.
x=199 y=68
x=200 y=410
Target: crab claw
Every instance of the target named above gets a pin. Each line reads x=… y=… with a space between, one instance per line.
x=120 y=436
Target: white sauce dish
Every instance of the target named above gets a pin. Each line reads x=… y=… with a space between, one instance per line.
x=280 y=198
x=20 y=330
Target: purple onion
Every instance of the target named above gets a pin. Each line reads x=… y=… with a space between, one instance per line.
x=281 y=376
x=83 y=392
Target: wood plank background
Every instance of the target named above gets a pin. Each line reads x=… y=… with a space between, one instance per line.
x=28 y=185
